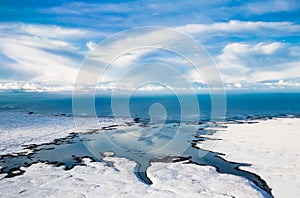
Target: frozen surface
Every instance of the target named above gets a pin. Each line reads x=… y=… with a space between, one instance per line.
x=95 y=179
x=19 y=128
x=272 y=146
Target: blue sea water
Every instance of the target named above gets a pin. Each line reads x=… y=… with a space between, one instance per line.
x=238 y=106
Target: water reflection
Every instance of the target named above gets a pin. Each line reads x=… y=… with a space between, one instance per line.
x=141 y=142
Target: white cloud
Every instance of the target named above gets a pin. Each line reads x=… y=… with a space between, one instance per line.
x=50 y=54
x=91 y=45
x=45 y=31
x=34 y=87
x=43 y=65
x=247 y=63
x=195 y=76
x=236 y=26
x=287 y=71
x=123 y=53
x=250 y=63
x=42 y=53
x=270 y=6
x=238 y=85
x=248 y=49
x=80 y=8
x=269 y=48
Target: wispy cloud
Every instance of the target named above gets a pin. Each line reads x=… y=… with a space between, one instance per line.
x=252 y=42
x=47 y=60
x=271 y=6
x=42 y=53
x=80 y=8
x=34 y=87
x=251 y=63
x=242 y=27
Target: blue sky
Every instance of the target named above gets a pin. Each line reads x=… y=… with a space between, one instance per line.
x=254 y=44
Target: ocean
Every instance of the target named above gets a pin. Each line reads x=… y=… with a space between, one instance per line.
x=238 y=106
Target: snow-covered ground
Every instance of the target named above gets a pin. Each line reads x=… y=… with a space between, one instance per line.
x=95 y=179
x=19 y=128
x=272 y=146
x=269 y=145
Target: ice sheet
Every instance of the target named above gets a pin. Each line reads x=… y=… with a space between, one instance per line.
x=169 y=180
x=95 y=179
x=272 y=146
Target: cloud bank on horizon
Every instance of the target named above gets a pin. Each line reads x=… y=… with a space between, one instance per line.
x=254 y=44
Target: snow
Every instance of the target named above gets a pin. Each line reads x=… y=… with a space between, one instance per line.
x=271 y=146
x=20 y=128
x=96 y=179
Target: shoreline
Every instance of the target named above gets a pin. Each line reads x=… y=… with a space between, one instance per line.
x=180 y=166
x=270 y=146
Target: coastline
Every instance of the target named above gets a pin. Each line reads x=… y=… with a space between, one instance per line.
x=19 y=129
x=168 y=178
x=271 y=147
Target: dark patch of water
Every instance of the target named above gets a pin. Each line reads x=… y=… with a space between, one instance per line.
x=138 y=144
